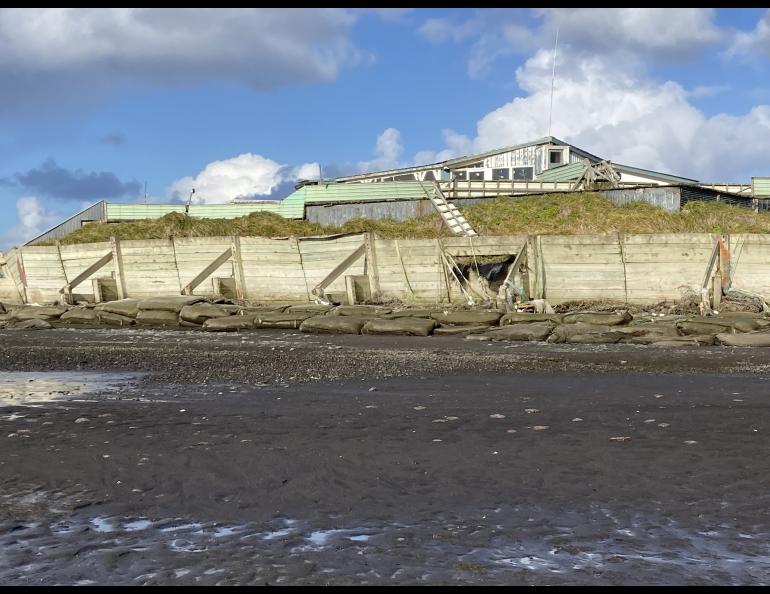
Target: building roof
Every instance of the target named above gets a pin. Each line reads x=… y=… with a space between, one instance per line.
x=675 y=179
x=460 y=161
x=564 y=173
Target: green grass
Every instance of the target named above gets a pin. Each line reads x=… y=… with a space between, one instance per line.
x=549 y=214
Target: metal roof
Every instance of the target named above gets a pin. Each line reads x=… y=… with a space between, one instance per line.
x=459 y=161
x=654 y=174
x=563 y=173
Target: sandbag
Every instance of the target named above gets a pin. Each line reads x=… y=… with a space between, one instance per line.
x=740 y=324
x=200 y=312
x=694 y=340
x=533 y=331
x=604 y=319
x=156 y=317
x=280 y=319
x=596 y=338
x=186 y=324
x=121 y=307
x=78 y=315
x=564 y=332
x=31 y=324
x=361 y=310
x=333 y=325
x=113 y=319
x=687 y=328
x=409 y=313
x=2 y=308
x=173 y=303
x=6 y=317
x=650 y=335
x=749 y=339
x=467 y=318
x=35 y=312
x=459 y=330
x=527 y=318
x=753 y=315
x=400 y=326
x=315 y=309
x=229 y=324
x=263 y=309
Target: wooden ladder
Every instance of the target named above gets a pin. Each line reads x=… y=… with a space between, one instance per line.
x=452 y=216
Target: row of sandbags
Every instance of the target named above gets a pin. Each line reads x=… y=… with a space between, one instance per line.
x=737 y=329
x=732 y=329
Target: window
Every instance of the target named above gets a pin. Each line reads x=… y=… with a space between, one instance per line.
x=477 y=175
x=461 y=175
x=501 y=174
x=429 y=176
x=523 y=173
x=405 y=177
x=555 y=157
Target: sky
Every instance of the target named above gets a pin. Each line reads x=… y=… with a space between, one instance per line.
x=129 y=105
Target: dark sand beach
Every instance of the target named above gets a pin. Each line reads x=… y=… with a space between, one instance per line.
x=272 y=457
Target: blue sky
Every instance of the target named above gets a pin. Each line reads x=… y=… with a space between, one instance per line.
x=243 y=102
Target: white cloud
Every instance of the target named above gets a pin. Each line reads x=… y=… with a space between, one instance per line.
x=264 y=48
x=387 y=152
x=457 y=145
x=605 y=102
x=32 y=218
x=756 y=41
x=661 y=33
x=631 y=34
x=244 y=176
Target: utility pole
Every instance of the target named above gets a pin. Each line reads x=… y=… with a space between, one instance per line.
x=189 y=200
x=553 y=78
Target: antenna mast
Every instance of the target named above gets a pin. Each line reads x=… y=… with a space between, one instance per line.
x=553 y=78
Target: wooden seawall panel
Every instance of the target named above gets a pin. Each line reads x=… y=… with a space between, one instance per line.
x=77 y=258
x=272 y=270
x=149 y=268
x=634 y=268
x=194 y=254
x=750 y=262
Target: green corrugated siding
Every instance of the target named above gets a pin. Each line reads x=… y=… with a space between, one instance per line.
x=363 y=192
x=760 y=187
x=293 y=207
x=560 y=174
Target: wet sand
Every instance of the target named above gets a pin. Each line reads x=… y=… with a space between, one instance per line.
x=277 y=458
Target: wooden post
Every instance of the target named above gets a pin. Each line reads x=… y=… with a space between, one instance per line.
x=117 y=259
x=725 y=264
x=97 y=290
x=535 y=268
x=240 y=278
x=371 y=266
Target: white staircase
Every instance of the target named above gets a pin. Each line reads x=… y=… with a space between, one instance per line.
x=452 y=216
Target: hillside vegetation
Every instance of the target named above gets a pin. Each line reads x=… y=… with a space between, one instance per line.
x=551 y=214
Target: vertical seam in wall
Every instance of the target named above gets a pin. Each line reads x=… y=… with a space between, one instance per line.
x=623 y=260
x=176 y=265
x=302 y=267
